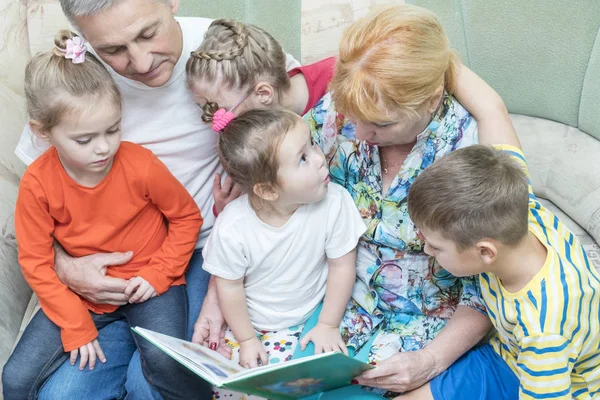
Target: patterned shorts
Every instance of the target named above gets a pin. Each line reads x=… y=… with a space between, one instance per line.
x=279 y=345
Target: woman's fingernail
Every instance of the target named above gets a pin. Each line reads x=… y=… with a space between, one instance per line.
x=213 y=346
x=354 y=382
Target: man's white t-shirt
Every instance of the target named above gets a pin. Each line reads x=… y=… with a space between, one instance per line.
x=167 y=121
x=284 y=269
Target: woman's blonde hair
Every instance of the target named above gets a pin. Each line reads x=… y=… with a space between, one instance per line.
x=235 y=55
x=49 y=76
x=249 y=144
x=393 y=60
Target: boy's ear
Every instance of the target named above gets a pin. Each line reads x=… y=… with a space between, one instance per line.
x=265 y=92
x=487 y=251
x=265 y=191
x=38 y=130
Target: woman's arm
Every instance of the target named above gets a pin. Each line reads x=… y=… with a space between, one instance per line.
x=409 y=370
x=465 y=329
x=493 y=123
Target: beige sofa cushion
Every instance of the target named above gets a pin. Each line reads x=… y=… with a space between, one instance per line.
x=564 y=164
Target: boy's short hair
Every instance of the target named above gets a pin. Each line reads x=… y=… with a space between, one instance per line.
x=470 y=194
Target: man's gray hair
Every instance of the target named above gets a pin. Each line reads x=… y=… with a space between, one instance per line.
x=84 y=8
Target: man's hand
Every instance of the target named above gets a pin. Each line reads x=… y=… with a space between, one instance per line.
x=224 y=194
x=86 y=276
x=209 y=329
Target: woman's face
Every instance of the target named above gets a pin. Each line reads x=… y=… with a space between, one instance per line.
x=400 y=130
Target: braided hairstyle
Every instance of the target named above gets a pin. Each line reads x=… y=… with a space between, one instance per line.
x=236 y=55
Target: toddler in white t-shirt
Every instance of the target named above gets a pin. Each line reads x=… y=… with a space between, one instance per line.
x=288 y=243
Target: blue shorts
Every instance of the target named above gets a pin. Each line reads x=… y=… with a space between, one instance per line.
x=481 y=374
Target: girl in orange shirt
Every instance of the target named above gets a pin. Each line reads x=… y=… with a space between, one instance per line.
x=90 y=193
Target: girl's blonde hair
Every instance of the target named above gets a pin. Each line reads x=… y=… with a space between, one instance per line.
x=49 y=76
x=249 y=144
x=235 y=55
x=393 y=60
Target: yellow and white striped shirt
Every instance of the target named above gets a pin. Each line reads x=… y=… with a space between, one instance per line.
x=549 y=331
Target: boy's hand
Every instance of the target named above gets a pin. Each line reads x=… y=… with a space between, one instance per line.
x=88 y=352
x=325 y=338
x=139 y=290
x=251 y=351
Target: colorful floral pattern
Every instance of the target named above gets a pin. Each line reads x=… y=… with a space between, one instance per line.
x=400 y=291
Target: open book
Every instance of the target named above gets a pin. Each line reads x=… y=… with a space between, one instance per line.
x=289 y=380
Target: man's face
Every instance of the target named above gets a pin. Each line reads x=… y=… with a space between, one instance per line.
x=139 y=39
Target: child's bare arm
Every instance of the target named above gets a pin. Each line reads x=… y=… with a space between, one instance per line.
x=340 y=281
x=232 y=299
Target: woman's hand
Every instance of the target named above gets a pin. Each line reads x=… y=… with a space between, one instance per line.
x=402 y=372
x=209 y=329
x=251 y=352
x=88 y=352
x=225 y=193
x=325 y=338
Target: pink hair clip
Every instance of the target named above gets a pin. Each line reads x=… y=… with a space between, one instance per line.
x=75 y=50
x=222 y=117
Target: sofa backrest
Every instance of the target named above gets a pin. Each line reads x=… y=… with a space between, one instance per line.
x=543 y=58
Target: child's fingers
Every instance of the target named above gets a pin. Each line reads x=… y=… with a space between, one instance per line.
x=73 y=356
x=264 y=360
x=131 y=286
x=305 y=341
x=149 y=293
x=99 y=351
x=92 y=356
x=343 y=347
x=83 y=357
x=318 y=348
x=142 y=288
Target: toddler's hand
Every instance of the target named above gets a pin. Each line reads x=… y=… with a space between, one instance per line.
x=325 y=338
x=251 y=351
x=88 y=352
x=139 y=290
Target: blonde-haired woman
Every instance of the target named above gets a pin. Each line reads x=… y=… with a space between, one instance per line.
x=391 y=113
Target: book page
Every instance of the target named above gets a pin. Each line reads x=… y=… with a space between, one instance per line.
x=206 y=363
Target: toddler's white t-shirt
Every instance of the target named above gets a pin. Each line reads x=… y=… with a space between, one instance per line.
x=285 y=268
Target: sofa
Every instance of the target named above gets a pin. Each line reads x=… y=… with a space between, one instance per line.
x=542 y=56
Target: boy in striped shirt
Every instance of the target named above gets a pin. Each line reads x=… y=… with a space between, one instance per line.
x=477 y=214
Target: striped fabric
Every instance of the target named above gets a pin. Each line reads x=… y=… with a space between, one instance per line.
x=548 y=332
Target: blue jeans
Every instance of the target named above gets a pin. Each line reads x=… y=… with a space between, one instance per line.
x=122 y=375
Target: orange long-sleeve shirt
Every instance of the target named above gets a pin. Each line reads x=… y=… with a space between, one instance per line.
x=126 y=211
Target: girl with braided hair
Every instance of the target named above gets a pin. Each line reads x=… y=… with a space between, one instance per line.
x=237 y=58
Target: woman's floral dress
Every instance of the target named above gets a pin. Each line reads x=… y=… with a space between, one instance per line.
x=401 y=295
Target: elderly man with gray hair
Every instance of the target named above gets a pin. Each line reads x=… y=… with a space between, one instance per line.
x=145 y=49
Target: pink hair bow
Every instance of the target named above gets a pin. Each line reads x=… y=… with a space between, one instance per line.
x=221 y=119
x=76 y=49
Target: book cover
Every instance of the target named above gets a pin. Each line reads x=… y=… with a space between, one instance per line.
x=290 y=380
